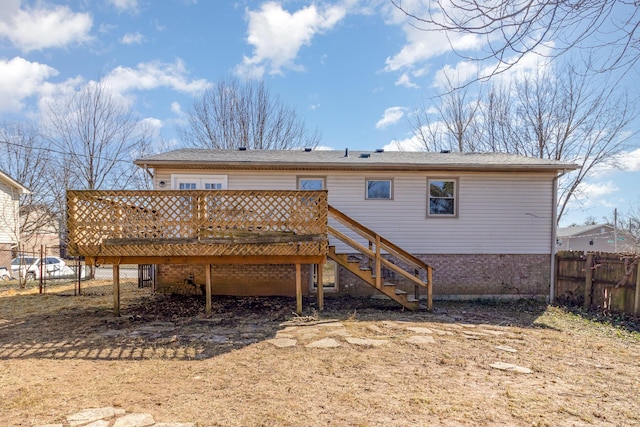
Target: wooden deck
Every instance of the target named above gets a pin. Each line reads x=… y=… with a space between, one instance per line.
x=198 y=227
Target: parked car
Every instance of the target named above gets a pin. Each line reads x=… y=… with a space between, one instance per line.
x=4 y=273
x=29 y=267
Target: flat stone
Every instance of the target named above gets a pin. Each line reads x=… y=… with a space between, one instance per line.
x=324 y=343
x=282 y=342
x=99 y=423
x=283 y=335
x=93 y=414
x=330 y=325
x=339 y=333
x=506 y=348
x=421 y=340
x=365 y=342
x=134 y=420
x=420 y=330
x=49 y=425
x=441 y=332
x=511 y=367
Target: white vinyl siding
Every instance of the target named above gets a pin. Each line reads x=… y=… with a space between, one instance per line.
x=8 y=214
x=498 y=213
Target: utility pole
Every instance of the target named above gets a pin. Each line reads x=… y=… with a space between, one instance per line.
x=615 y=230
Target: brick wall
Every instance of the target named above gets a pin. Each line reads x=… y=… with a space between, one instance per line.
x=464 y=276
x=455 y=276
x=238 y=280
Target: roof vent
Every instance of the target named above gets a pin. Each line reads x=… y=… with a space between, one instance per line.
x=365 y=155
x=242 y=148
x=307 y=149
x=445 y=151
x=346 y=152
x=379 y=150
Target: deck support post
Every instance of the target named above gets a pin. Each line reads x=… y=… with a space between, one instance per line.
x=429 y=289
x=320 y=286
x=116 y=290
x=298 y=289
x=207 y=286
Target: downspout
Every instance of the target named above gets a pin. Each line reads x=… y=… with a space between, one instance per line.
x=554 y=236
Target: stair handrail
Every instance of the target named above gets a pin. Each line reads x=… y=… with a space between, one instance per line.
x=370 y=235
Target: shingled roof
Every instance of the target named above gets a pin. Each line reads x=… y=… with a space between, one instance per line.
x=197 y=158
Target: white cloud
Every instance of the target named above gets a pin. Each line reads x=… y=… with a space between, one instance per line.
x=277 y=36
x=125 y=5
x=409 y=144
x=152 y=75
x=392 y=115
x=405 y=80
x=425 y=41
x=41 y=26
x=630 y=161
x=132 y=38
x=20 y=80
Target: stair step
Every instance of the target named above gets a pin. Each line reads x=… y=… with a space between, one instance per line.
x=412 y=299
x=389 y=284
x=400 y=292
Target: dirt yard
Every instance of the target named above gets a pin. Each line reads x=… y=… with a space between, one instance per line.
x=361 y=362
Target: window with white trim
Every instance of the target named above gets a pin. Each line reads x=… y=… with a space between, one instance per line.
x=310 y=183
x=442 y=200
x=198 y=182
x=379 y=189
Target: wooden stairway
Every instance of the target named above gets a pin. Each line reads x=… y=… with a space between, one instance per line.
x=371 y=273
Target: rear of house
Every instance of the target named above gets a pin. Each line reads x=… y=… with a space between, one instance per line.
x=484 y=222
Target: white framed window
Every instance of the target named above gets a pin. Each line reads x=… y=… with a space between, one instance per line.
x=378 y=189
x=198 y=182
x=329 y=277
x=442 y=197
x=311 y=183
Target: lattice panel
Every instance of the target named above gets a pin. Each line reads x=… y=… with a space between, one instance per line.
x=165 y=223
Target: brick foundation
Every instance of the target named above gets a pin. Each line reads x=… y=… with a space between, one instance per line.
x=471 y=276
x=455 y=276
x=237 y=280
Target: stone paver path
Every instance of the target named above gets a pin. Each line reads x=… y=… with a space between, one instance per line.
x=112 y=417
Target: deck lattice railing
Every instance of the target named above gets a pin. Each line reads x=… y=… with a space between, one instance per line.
x=224 y=222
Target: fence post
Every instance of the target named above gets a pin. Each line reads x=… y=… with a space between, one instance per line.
x=588 y=281
x=636 y=302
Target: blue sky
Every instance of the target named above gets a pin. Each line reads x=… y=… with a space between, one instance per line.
x=352 y=68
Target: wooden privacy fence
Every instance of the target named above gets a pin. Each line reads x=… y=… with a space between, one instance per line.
x=151 y=223
x=606 y=280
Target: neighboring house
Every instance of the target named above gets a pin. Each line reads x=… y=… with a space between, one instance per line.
x=10 y=191
x=485 y=222
x=45 y=233
x=595 y=238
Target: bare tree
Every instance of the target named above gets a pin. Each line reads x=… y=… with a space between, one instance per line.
x=97 y=137
x=454 y=125
x=555 y=114
x=233 y=115
x=604 y=29
x=26 y=158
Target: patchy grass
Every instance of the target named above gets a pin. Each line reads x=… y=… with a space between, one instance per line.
x=61 y=353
